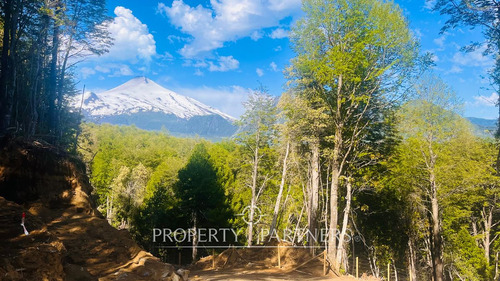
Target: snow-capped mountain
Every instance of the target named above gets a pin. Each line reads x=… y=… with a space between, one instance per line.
x=149 y=106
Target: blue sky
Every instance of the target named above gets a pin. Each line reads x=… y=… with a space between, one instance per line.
x=217 y=51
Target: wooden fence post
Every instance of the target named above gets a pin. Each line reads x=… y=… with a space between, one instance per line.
x=213 y=258
x=279 y=257
x=388 y=271
x=357 y=268
x=324 y=262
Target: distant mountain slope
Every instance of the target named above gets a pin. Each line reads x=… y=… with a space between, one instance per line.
x=484 y=126
x=144 y=103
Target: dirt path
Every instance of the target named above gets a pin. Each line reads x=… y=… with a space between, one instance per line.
x=262 y=264
x=264 y=275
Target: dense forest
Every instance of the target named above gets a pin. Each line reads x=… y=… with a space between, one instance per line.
x=42 y=43
x=365 y=142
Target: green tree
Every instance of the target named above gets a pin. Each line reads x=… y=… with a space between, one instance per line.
x=201 y=195
x=354 y=55
x=432 y=130
x=306 y=122
x=257 y=132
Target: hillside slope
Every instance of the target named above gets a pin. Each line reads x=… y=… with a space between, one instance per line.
x=69 y=239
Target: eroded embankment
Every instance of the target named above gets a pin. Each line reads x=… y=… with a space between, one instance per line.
x=69 y=239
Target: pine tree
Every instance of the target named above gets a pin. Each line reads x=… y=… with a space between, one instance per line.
x=201 y=196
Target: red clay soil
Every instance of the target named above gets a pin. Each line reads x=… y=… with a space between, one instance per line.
x=69 y=239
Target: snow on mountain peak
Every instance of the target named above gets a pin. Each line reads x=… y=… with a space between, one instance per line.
x=141 y=94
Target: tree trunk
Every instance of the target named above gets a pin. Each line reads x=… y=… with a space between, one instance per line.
x=7 y=71
x=347 y=210
x=33 y=98
x=313 y=197
x=4 y=71
x=52 y=82
x=332 y=233
x=487 y=216
x=475 y=233
x=253 y=203
x=395 y=269
x=60 y=87
x=372 y=260
x=280 y=192
x=13 y=67
x=195 y=239
x=437 y=246
x=334 y=190
x=412 y=257
x=496 y=266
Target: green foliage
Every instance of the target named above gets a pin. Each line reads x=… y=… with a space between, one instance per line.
x=200 y=192
x=152 y=159
x=465 y=257
x=147 y=179
x=438 y=146
x=351 y=44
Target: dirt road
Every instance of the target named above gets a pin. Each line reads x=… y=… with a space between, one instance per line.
x=263 y=275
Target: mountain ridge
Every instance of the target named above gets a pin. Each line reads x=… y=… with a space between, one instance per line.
x=147 y=105
x=484 y=127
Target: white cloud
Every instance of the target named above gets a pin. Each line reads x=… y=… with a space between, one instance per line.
x=132 y=40
x=490 y=101
x=475 y=58
x=455 y=69
x=115 y=69
x=224 y=64
x=221 y=64
x=278 y=48
x=86 y=72
x=173 y=39
x=429 y=4
x=279 y=33
x=227 y=99
x=225 y=20
x=133 y=48
x=256 y=35
x=440 y=41
x=103 y=68
x=273 y=66
x=259 y=72
x=166 y=56
x=198 y=72
x=123 y=70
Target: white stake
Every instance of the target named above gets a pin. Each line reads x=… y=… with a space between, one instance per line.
x=22 y=223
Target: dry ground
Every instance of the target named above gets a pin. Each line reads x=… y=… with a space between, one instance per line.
x=264 y=275
x=262 y=264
